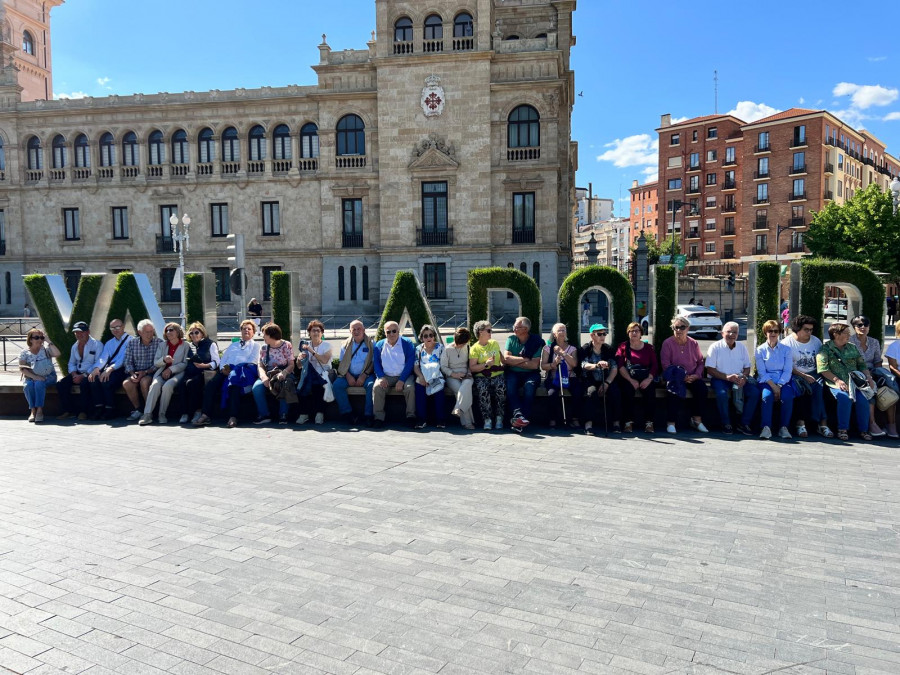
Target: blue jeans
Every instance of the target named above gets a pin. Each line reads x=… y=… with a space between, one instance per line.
x=843 y=409
x=811 y=407
x=529 y=382
x=768 y=404
x=35 y=391
x=262 y=405
x=751 y=398
x=342 y=398
x=440 y=406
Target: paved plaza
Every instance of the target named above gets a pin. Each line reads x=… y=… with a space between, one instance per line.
x=260 y=550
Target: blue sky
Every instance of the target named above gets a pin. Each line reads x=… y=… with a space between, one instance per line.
x=633 y=61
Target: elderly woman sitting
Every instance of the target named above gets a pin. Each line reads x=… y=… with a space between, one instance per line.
x=170 y=363
x=638 y=368
x=870 y=349
x=598 y=378
x=457 y=378
x=774 y=365
x=429 y=378
x=834 y=363
x=559 y=360
x=486 y=365
x=683 y=365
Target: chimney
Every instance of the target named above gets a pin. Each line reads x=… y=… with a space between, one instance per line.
x=634 y=184
x=665 y=120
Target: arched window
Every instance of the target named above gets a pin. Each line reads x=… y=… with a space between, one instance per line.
x=231 y=146
x=281 y=140
x=523 y=268
x=434 y=28
x=130 y=150
x=403 y=30
x=157 y=154
x=206 y=149
x=351 y=136
x=82 y=152
x=341 y=282
x=35 y=154
x=463 y=26
x=353 y=283
x=511 y=37
x=27 y=43
x=365 y=282
x=536 y=273
x=309 y=140
x=107 y=150
x=59 y=152
x=524 y=128
x=257 y=143
x=180 y=147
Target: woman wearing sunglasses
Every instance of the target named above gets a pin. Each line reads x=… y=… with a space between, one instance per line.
x=429 y=378
x=683 y=366
x=870 y=348
x=202 y=362
x=171 y=361
x=38 y=371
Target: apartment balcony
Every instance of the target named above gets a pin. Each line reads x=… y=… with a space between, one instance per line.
x=869 y=161
x=308 y=164
x=797 y=222
x=799 y=142
x=463 y=44
x=57 y=175
x=524 y=236
x=797 y=248
x=693 y=190
x=256 y=167
x=33 y=175
x=830 y=141
x=729 y=208
x=164 y=244
x=798 y=169
x=761 y=224
x=828 y=194
x=829 y=167
x=105 y=173
x=796 y=196
x=694 y=167
x=693 y=233
x=205 y=169
x=351 y=240
x=281 y=166
x=760 y=200
x=729 y=185
x=728 y=231
x=130 y=171
x=729 y=162
x=230 y=168
x=350 y=162
x=765 y=147
x=434 y=237
x=761 y=174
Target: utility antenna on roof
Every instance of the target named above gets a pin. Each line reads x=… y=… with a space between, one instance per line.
x=716 y=89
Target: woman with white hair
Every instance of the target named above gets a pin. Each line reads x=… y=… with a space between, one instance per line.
x=683 y=366
x=559 y=361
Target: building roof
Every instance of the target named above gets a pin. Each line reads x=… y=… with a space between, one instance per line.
x=702 y=118
x=785 y=114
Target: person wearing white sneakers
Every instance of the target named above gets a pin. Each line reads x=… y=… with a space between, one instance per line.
x=774 y=367
x=683 y=353
x=486 y=365
x=312 y=390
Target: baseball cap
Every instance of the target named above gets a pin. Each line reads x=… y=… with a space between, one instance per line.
x=79 y=326
x=597 y=326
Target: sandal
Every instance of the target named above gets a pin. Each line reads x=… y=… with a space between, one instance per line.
x=648 y=428
x=629 y=427
x=801 y=431
x=865 y=435
x=826 y=432
x=842 y=435
x=232 y=422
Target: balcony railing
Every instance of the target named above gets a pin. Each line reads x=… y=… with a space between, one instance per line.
x=760 y=174
x=434 y=237
x=33 y=175
x=523 y=236
x=463 y=44
x=729 y=162
x=798 y=169
x=164 y=244
x=308 y=164
x=155 y=171
x=179 y=170
x=693 y=233
x=796 y=196
x=828 y=194
x=830 y=141
x=230 y=168
x=761 y=224
x=522 y=154
x=131 y=171
x=729 y=208
x=105 y=173
x=798 y=222
x=763 y=147
x=728 y=231
x=205 y=169
x=728 y=184
x=829 y=167
x=761 y=251
x=282 y=166
x=256 y=167
x=694 y=167
x=693 y=190
x=351 y=240
x=57 y=175
x=81 y=173
x=760 y=200
x=350 y=162
x=798 y=142
x=403 y=47
x=797 y=248
x=432 y=46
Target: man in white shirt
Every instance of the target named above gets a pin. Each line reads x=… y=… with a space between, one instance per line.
x=108 y=374
x=82 y=359
x=394 y=359
x=728 y=365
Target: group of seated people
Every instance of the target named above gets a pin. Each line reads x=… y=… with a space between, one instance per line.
x=595 y=383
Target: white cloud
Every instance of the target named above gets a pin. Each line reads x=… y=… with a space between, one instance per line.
x=892 y=117
x=750 y=111
x=801 y=100
x=74 y=94
x=650 y=175
x=103 y=82
x=631 y=151
x=678 y=120
x=875 y=59
x=864 y=96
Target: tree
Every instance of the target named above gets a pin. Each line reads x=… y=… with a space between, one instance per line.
x=864 y=229
x=671 y=246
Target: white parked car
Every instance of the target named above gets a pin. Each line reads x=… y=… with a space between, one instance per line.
x=703 y=320
x=836 y=308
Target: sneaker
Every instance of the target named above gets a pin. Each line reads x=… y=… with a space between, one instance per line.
x=303 y=419
x=263 y=420
x=282 y=419
x=488 y=426
x=765 y=433
x=745 y=429
x=699 y=426
x=784 y=433
x=498 y=424
x=648 y=428
x=518 y=421
x=421 y=424
x=133 y=417
x=202 y=421
x=320 y=418
x=670 y=429
x=163 y=419
x=145 y=420
x=456 y=412
x=31 y=417
x=196 y=417
x=728 y=430
x=184 y=419
x=629 y=427
x=39 y=417
x=82 y=417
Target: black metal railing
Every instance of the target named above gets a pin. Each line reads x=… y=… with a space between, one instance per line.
x=351 y=240
x=760 y=174
x=798 y=142
x=164 y=244
x=828 y=194
x=728 y=231
x=798 y=222
x=693 y=190
x=761 y=251
x=729 y=162
x=829 y=167
x=796 y=248
x=794 y=196
x=523 y=236
x=760 y=200
x=729 y=208
x=761 y=224
x=728 y=185
x=763 y=147
x=434 y=237
x=798 y=169
x=693 y=233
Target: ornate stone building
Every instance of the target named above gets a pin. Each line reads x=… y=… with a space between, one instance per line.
x=442 y=146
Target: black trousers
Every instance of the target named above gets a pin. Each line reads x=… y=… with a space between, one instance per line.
x=69 y=402
x=103 y=393
x=648 y=400
x=212 y=395
x=600 y=412
x=192 y=389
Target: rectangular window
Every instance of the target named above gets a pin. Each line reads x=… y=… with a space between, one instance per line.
x=436 y=280
x=711 y=202
x=166 y=211
x=674 y=184
x=434 y=206
x=729 y=183
x=762 y=167
x=271 y=219
x=675 y=162
x=729 y=155
x=710 y=247
x=840 y=187
x=728 y=227
x=267 y=281
x=762 y=244
x=523 y=217
x=710 y=179
x=120 y=222
x=712 y=155
x=675 y=139
x=223 y=285
x=3 y=232
x=166 y=292
x=800 y=135
x=694 y=183
x=712 y=132
x=693 y=207
x=218 y=220
x=762 y=192
x=729 y=249
x=72 y=278
x=799 y=162
x=72 y=224
x=799 y=188
x=729 y=204
x=695 y=160
x=352 y=218
x=840 y=161
x=710 y=223
x=692 y=252
x=763 y=143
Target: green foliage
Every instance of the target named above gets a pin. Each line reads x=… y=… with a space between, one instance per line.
x=768 y=294
x=671 y=246
x=485 y=278
x=126 y=299
x=815 y=275
x=665 y=302
x=864 y=229
x=193 y=298
x=609 y=278
x=406 y=293
x=281 y=301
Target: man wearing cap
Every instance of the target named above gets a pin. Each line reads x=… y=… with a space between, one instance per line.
x=82 y=359
x=108 y=375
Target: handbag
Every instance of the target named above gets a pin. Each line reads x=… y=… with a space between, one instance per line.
x=638 y=373
x=885 y=398
x=328 y=396
x=431 y=373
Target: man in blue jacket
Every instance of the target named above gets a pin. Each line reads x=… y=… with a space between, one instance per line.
x=394 y=359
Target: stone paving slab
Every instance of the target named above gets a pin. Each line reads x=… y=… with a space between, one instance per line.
x=127 y=550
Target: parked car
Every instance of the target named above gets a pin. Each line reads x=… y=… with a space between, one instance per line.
x=703 y=320
x=836 y=308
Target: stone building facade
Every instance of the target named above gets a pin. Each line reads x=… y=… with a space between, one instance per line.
x=443 y=146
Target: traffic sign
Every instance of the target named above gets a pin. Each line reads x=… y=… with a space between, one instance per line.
x=681 y=261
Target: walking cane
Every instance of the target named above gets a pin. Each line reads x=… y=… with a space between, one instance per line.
x=563 y=381
x=605 y=420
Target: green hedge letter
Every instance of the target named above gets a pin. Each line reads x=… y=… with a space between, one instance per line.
x=614 y=285
x=484 y=280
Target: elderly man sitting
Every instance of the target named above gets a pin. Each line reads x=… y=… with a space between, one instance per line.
x=109 y=372
x=82 y=359
x=394 y=359
x=355 y=370
x=728 y=365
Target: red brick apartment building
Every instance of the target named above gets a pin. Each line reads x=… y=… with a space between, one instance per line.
x=745 y=192
x=643 y=212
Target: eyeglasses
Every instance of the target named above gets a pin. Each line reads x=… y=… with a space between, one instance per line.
x=487 y=330
x=680 y=327
x=170 y=330
x=196 y=332
x=425 y=336
x=38 y=337
x=116 y=327
x=599 y=333
x=391 y=332
x=862 y=324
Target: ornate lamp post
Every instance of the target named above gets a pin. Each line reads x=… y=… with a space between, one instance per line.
x=181 y=241
x=591 y=252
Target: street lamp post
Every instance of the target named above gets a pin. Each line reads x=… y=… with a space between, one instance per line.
x=181 y=241
x=778 y=230
x=591 y=252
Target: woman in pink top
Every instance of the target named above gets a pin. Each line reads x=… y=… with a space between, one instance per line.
x=683 y=366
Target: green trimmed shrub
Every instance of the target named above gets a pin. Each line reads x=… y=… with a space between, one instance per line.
x=281 y=301
x=608 y=278
x=768 y=294
x=126 y=299
x=816 y=274
x=665 y=302
x=193 y=298
x=502 y=278
x=406 y=293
